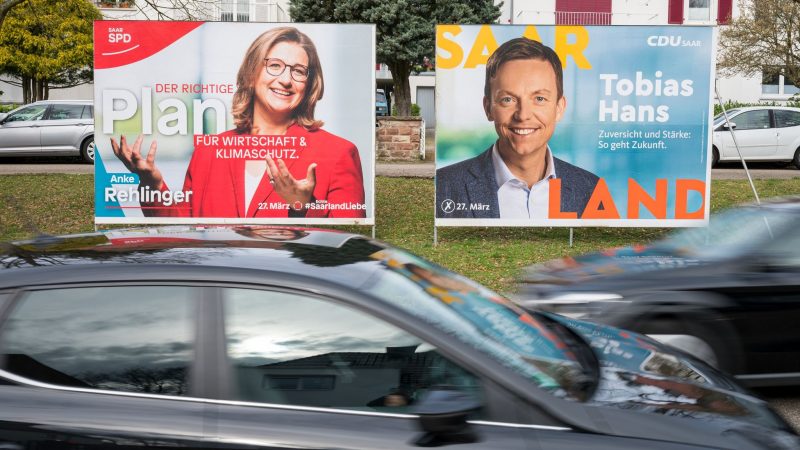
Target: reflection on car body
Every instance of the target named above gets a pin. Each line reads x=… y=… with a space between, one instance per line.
x=282 y=337
x=728 y=293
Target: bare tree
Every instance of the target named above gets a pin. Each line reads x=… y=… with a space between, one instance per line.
x=5 y=6
x=765 y=38
x=180 y=9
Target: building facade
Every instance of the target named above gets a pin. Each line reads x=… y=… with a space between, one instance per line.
x=748 y=89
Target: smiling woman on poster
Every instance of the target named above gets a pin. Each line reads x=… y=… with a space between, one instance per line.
x=305 y=171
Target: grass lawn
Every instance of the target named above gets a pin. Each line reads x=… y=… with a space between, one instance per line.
x=58 y=204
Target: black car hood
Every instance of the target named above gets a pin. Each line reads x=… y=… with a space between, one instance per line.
x=640 y=374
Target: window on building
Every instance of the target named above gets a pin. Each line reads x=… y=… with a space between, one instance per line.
x=699 y=10
x=132 y=339
x=774 y=83
x=296 y=350
x=235 y=11
x=114 y=3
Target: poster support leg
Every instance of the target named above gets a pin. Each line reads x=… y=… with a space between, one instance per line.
x=570 y=236
x=373 y=232
x=435 y=236
x=736 y=144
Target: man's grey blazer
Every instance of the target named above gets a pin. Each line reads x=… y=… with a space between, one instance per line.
x=472 y=182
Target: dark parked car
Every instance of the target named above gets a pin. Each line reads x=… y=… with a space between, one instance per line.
x=728 y=293
x=49 y=128
x=261 y=337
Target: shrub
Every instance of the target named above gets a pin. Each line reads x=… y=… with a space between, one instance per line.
x=792 y=102
x=8 y=107
x=414 y=109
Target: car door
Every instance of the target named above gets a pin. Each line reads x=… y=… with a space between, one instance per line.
x=20 y=131
x=787 y=124
x=754 y=133
x=769 y=299
x=100 y=367
x=64 y=126
x=309 y=372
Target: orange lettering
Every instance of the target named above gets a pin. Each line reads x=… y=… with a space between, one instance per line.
x=682 y=188
x=554 y=208
x=600 y=196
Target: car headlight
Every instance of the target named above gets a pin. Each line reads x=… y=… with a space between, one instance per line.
x=577 y=305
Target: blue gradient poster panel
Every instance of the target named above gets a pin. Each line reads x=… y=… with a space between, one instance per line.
x=217 y=122
x=620 y=137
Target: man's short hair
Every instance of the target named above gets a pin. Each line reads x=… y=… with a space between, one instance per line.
x=523 y=48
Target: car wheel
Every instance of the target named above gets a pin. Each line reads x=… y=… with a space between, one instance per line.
x=697 y=338
x=87 y=150
x=714 y=156
x=796 y=160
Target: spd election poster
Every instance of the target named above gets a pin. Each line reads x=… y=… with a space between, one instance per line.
x=573 y=126
x=234 y=123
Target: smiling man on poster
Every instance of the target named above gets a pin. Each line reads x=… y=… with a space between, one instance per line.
x=512 y=179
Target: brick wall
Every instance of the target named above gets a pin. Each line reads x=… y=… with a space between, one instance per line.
x=398 y=139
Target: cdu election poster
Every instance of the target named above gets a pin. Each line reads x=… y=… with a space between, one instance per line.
x=573 y=125
x=234 y=123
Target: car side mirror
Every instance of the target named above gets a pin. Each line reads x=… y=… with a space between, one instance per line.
x=443 y=415
x=728 y=126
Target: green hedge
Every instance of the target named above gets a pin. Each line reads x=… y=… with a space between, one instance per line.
x=733 y=104
x=8 y=107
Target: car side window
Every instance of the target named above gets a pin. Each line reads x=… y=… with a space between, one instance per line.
x=295 y=350
x=65 y=112
x=132 y=339
x=752 y=120
x=784 y=118
x=88 y=112
x=33 y=112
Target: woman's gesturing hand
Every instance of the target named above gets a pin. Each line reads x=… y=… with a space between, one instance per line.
x=145 y=167
x=294 y=192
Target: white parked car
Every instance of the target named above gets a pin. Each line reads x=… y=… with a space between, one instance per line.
x=764 y=133
x=49 y=128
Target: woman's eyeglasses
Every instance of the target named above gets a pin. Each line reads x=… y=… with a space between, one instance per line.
x=275 y=67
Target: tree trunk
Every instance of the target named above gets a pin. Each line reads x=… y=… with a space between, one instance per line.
x=402 y=88
x=26 y=90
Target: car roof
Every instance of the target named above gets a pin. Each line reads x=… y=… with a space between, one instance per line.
x=57 y=102
x=753 y=108
x=326 y=254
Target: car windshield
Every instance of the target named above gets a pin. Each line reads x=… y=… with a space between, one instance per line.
x=720 y=118
x=479 y=318
x=380 y=97
x=729 y=233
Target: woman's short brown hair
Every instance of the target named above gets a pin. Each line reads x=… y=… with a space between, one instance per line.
x=253 y=63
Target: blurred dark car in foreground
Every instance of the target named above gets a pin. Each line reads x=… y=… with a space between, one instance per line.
x=263 y=337
x=728 y=293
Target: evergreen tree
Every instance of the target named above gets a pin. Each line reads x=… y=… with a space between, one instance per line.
x=47 y=44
